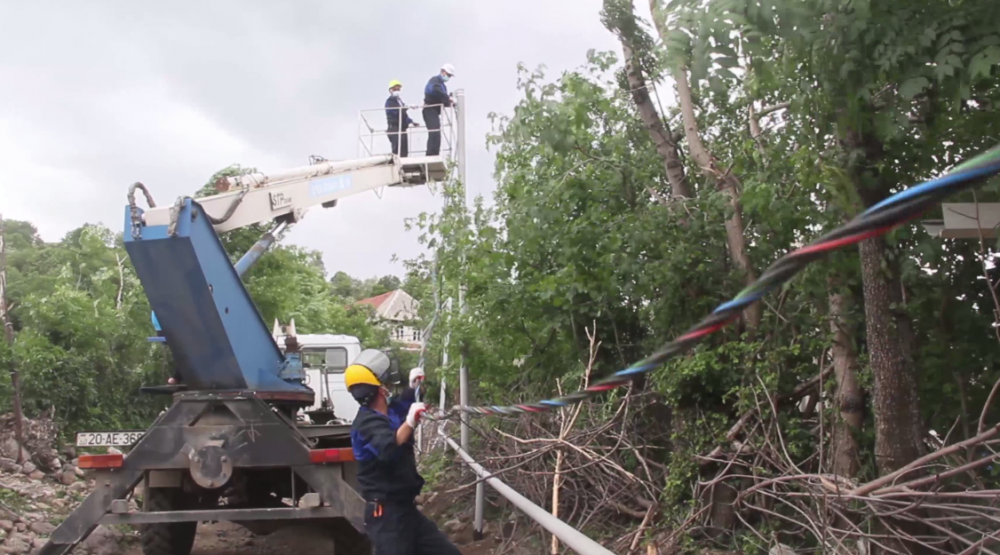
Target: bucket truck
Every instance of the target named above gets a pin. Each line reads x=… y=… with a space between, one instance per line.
x=229 y=447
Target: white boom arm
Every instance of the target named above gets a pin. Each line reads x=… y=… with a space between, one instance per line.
x=262 y=197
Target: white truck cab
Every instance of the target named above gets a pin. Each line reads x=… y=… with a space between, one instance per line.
x=325 y=358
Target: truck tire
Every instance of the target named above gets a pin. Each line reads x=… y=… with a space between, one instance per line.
x=163 y=538
x=348 y=541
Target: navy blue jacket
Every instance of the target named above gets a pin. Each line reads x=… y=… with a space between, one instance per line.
x=436 y=92
x=386 y=471
x=393 y=105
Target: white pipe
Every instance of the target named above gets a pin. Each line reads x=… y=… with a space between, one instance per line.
x=573 y=538
x=259 y=179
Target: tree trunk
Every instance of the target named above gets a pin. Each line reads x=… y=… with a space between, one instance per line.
x=724 y=180
x=850 y=400
x=659 y=132
x=896 y=406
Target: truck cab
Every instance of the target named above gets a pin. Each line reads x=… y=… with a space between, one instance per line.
x=325 y=358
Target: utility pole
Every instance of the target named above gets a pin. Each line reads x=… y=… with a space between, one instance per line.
x=460 y=108
x=8 y=328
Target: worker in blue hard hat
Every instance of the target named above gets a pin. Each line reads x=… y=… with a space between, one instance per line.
x=435 y=97
x=382 y=439
x=397 y=119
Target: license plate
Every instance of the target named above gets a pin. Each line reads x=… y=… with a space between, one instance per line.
x=107 y=439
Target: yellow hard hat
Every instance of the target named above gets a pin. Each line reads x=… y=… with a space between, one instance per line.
x=372 y=367
x=394 y=83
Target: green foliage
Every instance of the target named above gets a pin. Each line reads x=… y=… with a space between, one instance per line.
x=576 y=236
x=82 y=319
x=82 y=322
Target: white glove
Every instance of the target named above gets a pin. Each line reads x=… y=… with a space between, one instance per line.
x=416 y=411
x=416 y=377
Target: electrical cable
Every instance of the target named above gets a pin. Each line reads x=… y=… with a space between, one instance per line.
x=877 y=220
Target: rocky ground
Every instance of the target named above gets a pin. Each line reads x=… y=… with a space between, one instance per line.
x=38 y=492
x=42 y=490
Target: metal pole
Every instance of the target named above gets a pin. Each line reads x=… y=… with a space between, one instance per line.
x=570 y=536
x=460 y=109
x=8 y=327
x=259 y=248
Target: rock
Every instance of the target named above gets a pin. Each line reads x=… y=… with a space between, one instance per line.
x=76 y=470
x=16 y=545
x=103 y=541
x=32 y=517
x=58 y=503
x=78 y=487
x=9 y=465
x=10 y=449
x=114 y=451
x=37 y=543
x=421 y=499
x=21 y=526
x=452 y=526
x=37 y=475
x=6 y=525
x=43 y=506
x=68 y=478
x=781 y=549
x=42 y=528
x=56 y=464
x=69 y=451
x=28 y=467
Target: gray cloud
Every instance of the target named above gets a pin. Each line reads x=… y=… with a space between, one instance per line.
x=97 y=95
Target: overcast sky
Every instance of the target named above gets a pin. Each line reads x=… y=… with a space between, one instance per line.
x=96 y=95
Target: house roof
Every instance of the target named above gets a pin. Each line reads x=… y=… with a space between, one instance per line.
x=395 y=305
x=377 y=300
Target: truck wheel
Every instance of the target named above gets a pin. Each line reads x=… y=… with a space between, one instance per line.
x=348 y=541
x=163 y=538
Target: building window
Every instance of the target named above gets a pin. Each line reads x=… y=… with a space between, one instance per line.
x=416 y=334
x=400 y=333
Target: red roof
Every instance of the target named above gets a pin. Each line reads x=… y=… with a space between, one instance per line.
x=376 y=301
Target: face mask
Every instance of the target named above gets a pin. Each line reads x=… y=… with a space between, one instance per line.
x=445 y=77
x=395 y=93
x=388 y=395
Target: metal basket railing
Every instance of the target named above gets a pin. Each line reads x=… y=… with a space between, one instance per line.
x=373 y=132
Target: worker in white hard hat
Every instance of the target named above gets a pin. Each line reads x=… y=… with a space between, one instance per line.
x=382 y=440
x=397 y=119
x=435 y=97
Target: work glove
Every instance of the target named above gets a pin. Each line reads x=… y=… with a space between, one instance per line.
x=416 y=411
x=416 y=377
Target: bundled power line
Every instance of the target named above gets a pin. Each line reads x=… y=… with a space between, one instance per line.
x=877 y=220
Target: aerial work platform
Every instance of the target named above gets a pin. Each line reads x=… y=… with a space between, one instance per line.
x=374 y=139
x=208 y=320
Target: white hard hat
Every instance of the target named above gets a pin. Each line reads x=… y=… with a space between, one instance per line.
x=448 y=68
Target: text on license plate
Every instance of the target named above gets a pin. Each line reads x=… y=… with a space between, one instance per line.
x=107 y=439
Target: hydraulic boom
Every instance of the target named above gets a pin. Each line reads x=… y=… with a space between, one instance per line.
x=216 y=335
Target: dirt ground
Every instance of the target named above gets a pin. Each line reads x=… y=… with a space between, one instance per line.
x=226 y=538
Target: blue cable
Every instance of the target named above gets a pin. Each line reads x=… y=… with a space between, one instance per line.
x=934 y=184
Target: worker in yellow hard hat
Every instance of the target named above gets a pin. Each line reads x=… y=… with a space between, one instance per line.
x=398 y=120
x=382 y=439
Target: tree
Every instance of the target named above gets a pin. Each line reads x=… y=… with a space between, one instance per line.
x=386 y=284
x=798 y=116
x=344 y=286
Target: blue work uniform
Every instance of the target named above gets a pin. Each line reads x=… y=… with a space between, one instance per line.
x=387 y=474
x=397 y=122
x=435 y=96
